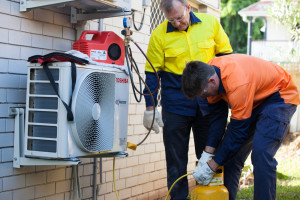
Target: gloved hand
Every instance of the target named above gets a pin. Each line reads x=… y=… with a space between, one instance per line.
x=148 y=117
x=203 y=174
x=205 y=156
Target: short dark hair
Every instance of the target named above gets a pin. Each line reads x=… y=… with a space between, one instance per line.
x=195 y=77
x=167 y=5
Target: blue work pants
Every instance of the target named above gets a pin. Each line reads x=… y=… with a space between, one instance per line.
x=269 y=125
x=176 y=135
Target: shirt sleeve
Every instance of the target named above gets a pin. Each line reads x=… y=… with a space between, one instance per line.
x=203 y=106
x=218 y=121
x=237 y=133
x=221 y=39
x=152 y=83
x=241 y=101
x=155 y=54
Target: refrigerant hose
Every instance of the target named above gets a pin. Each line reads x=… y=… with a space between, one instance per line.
x=153 y=108
x=128 y=53
x=115 y=187
x=175 y=183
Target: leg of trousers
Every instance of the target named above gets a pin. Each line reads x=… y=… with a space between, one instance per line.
x=269 y=124
x=176 y=135
x=200 y=130
x=233 y=169
x=271 y=129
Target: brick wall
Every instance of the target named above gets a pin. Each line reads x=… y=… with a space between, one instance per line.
x=141 y=175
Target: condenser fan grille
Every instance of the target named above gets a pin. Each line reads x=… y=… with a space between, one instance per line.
x=94 y=112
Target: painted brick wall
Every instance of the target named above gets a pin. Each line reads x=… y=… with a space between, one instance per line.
x=141 y=175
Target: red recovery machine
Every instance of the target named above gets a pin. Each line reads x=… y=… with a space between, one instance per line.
x=105 y=47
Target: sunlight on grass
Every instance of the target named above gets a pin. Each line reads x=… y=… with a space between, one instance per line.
x=288 y=182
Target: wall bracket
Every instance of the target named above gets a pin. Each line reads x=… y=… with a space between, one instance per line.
x=83 y=9
x=77 y=15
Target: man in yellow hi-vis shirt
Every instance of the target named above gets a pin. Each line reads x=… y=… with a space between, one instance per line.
x=183 y=37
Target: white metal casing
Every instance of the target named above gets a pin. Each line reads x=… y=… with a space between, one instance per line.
x=146 y=3
x=48 y=134
x=82 y=4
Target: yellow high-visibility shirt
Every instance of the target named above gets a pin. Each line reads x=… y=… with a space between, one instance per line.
x=169 y=51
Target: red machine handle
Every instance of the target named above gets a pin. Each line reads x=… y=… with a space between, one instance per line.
x=84 y=33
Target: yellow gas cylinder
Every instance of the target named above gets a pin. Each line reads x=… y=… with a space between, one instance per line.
x=214 y=191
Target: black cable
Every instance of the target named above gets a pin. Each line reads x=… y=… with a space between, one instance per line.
x=156 y=74
x=140 y=77
x=153 y=107
x=134 y=88
x=135 y=67
x=141 y=23
x=131 y=78
x=128 y=53
x=141 y=142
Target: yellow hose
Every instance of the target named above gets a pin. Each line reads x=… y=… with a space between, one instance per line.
x=175 y=183
x=115 y=187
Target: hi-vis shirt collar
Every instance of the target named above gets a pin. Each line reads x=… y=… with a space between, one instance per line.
x=221 y=87
x=193 y=19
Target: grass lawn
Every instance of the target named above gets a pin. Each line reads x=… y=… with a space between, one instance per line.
x=288 y=182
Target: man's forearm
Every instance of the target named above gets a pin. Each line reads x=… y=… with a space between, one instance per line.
x=149 y=108
x=209 y=149
x=213 y=165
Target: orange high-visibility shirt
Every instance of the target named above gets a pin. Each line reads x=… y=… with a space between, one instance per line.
x=249 y=80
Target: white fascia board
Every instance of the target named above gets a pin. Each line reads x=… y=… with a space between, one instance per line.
x=207 y=4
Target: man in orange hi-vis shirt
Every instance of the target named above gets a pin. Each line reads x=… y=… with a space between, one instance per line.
x=262 y=97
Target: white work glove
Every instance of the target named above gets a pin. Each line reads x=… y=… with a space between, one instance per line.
x=203 y=174
x=205 y=156
x=148 y=117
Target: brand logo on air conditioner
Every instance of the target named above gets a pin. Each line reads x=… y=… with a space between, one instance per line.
x=120 y=102
x=122 y=80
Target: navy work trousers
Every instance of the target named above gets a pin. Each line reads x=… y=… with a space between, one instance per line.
x=269 y=125
x=176 y=135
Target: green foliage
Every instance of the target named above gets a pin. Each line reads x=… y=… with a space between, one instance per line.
x=286 y=192
x=287 y=12
x=283 y=192
x=245 y=193
x=235 y=27
x=282 y=176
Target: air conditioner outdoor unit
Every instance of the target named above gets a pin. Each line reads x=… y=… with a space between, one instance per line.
x=99 y=106
x=86 y=5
